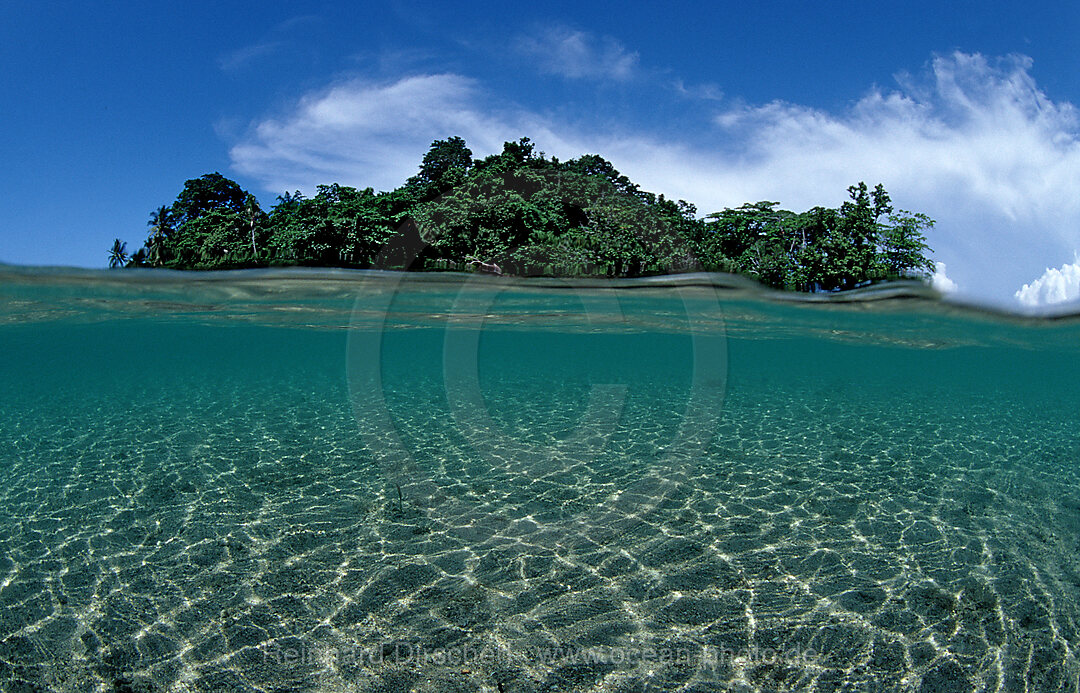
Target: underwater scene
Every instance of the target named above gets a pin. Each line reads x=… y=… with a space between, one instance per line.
x=317 y=480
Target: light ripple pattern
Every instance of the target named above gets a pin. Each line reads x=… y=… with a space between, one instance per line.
x=198 y=492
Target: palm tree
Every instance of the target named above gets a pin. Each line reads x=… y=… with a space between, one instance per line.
x=118 y=255
x=161 y=220
x=138 y=258
x=251 y=206
x=155 y=249
x=161 y=227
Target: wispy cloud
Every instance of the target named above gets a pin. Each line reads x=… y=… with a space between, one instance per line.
x=971 y=141
x=579 y=55
x=366 y=133
x=276 y=40
x=242 y=57
x=704 y=92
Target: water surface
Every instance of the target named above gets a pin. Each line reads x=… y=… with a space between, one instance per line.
x=305 y=480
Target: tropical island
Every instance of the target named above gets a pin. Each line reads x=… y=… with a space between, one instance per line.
x=520 y=212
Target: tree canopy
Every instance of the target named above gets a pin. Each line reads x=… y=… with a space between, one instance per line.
x=521 y=212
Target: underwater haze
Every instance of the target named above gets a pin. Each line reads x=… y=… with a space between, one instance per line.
x=311 y=480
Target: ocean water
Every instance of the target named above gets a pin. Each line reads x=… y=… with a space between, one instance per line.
x=363 y=481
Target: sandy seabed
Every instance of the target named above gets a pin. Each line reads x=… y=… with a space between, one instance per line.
x=250 y=541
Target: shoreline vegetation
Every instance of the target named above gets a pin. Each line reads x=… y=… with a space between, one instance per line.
x=522 y=213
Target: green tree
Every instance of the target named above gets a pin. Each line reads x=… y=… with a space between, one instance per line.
x=201 y=228
x=445 y=165
x=137 y=259
x=217 y=239
x=161 y=227
x=161 y=221
x=736 y=232
x=903 y=245
x=208 y=192
x=287 y=202
x=118 y=255
x=533 y=214
x=854 y=244
x=251 y=215
x=340 y=226
x=819 y=249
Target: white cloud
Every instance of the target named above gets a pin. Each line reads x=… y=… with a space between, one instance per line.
x=941 y=281
x=364 y=133
x=579 y=55
x=983 y=127
x=703 y=92
x=241 y=58
x=375 y=134
x=1054 y=286
x=972 y=142
x=276 y=41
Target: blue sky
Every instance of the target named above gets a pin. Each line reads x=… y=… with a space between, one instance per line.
x=965 y=111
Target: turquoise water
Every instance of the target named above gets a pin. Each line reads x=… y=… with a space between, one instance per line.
x=374 y=482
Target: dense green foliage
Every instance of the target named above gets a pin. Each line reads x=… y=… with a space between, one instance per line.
x=520 y=212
